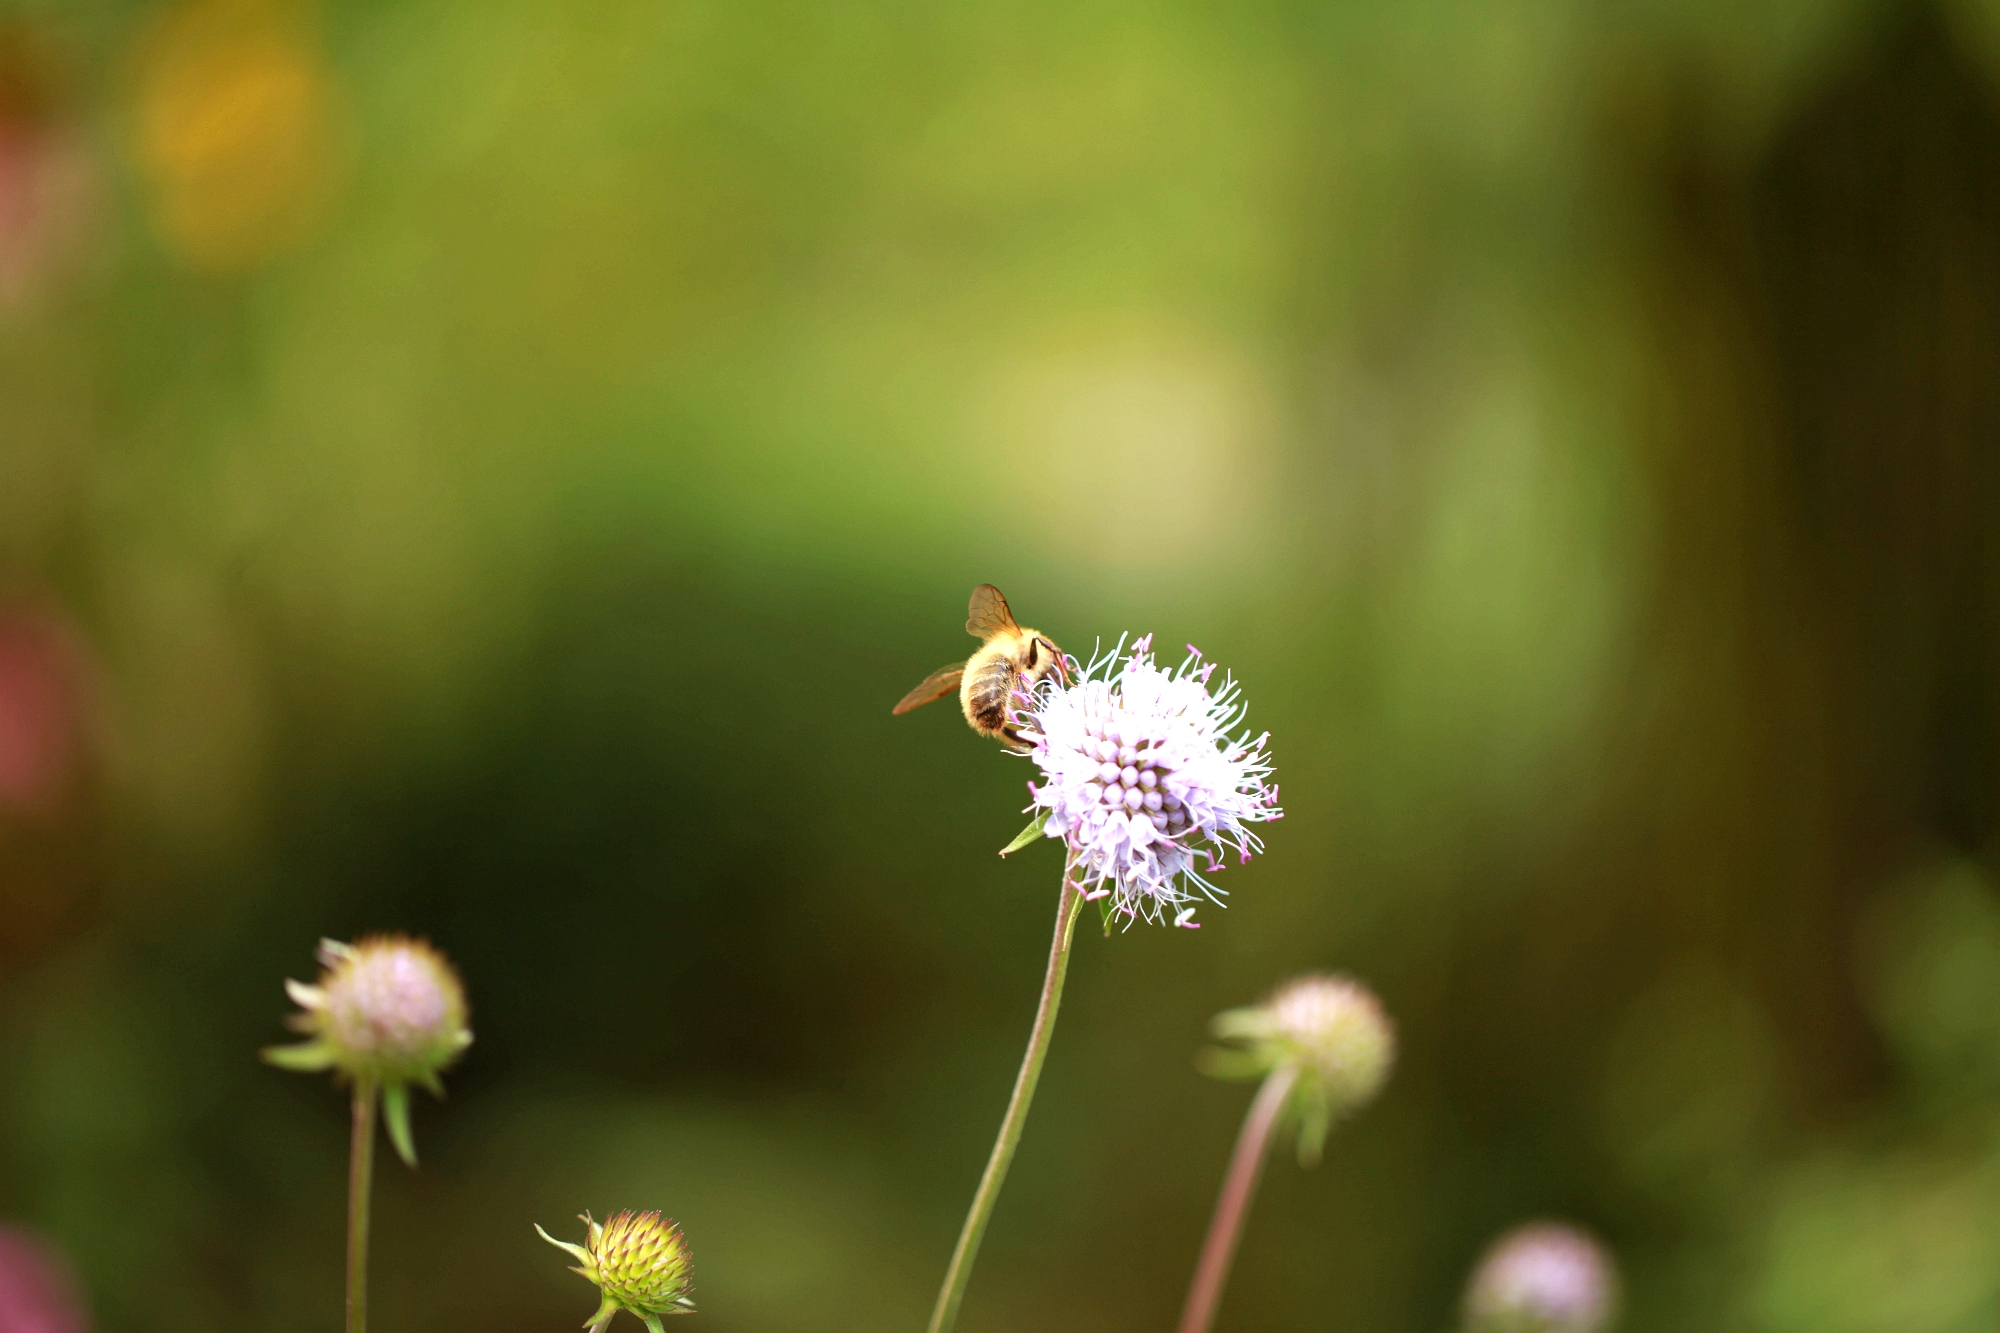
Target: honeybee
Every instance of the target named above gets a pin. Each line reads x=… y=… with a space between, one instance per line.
x=986 y=679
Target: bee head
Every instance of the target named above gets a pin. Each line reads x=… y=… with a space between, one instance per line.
x=1042 y=658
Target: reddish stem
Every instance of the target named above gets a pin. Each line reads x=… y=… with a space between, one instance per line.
x=360 y=1177
x=1239 y=1186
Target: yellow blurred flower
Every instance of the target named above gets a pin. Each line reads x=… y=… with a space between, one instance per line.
x=235 y=130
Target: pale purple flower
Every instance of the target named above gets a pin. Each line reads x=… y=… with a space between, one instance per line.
x=1544 y=1277
x=1146 y=778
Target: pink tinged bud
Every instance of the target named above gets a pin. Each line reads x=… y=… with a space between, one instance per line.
x=387 y=1012
x=1544 y=1277
x=1329 y=1030
x=1332 y=1027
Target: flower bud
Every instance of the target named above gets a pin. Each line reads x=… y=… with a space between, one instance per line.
x=640 y=1264
x=1542 y=1278
x=387 y=1012
x=1335 y=1027
x=1331 y=1029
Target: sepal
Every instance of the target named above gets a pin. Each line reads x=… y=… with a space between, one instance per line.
x=1029 y=834
x=576 y=1251
x=308 y=1057
x=304 y=996
x=396 y=1116
x=1315 y=1118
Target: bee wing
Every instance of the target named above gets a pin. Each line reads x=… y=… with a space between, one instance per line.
x=936 y=686
x=988 y=614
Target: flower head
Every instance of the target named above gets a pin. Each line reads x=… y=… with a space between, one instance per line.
x=1542 y=1278
x=639 y=1262
x=1330 y=1029
x=387 y=1012
x=1143 y=780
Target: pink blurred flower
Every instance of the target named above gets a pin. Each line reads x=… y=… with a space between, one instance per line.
x=40 y=701
x=36 y=1292
x=46 y=175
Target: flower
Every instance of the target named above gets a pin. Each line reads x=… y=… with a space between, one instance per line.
x=1331 y=1029
x=37 y=1294
x=387 y=1012
x=1542 y=1278
x=1142 y=778
x=639 y=1262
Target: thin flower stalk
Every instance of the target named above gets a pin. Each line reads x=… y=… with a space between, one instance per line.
x=1143 y=775
x=386 y=1012
x=360 y=1184
x=959 y=1273
x=1323 y=1048
x=1239 y=1187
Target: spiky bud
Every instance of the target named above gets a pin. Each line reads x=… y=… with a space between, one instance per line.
x=1330 y=1029
x=640 y=1264
x=387 y=1012
x=1542 y=1278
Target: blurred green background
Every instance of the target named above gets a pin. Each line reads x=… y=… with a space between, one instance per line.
x=486 y=468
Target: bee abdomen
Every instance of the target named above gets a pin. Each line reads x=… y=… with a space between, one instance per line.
x=987 y=687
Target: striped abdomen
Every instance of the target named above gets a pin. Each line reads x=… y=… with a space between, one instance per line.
x=989 y=681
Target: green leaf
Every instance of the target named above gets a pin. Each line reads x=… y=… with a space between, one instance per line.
x=396 y=1115
x=1027 y=835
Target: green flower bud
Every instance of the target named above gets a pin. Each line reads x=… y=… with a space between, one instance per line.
x=639 y=1262
x=1331 y=1029
x=1542 y=1278
x=387 y=1012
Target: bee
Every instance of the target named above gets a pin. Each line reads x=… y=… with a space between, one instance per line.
x=986 y=679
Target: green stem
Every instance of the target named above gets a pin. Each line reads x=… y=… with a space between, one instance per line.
x=360 y=1177
x=960 y=1271
x=1239 y=1186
